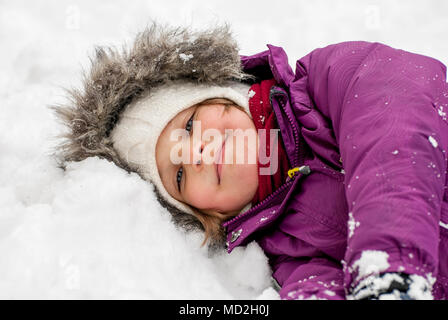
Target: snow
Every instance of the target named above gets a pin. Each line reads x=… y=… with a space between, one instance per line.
x=352 y=224
x=418 y=289
x=85 y=238
x=95 y=231
x=329 y=293
x=443 y=225
x=185 y=57
x=371 y=262
x=442 y=113
x=433 y=141
x=251 y=93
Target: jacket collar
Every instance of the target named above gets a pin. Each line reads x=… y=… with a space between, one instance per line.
x=274 y=61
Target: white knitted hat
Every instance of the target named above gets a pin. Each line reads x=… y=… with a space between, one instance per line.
x=141 y=123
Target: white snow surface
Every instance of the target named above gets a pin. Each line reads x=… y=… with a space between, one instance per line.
x=433 y=141
x=95 y=231
x=371 y=262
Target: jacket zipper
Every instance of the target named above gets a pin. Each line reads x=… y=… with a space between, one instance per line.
x=297 y=140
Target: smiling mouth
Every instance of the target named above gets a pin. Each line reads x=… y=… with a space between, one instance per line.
x=219 y=160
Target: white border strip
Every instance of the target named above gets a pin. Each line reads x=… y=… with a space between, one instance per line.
x=443 y=225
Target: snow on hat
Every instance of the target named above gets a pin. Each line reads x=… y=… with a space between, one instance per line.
x=141 y=123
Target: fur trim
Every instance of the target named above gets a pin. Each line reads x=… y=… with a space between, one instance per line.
x=159 y=55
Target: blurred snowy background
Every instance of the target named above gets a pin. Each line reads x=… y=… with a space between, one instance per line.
x=95 y=232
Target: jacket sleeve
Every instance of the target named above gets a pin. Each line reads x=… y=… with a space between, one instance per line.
x=386 y=109
x=309 y=278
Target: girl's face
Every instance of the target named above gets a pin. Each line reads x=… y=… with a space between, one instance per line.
x=199 y=180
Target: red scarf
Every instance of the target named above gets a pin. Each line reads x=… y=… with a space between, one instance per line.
x=264 y=118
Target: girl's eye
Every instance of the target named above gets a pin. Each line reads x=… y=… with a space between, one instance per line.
x=179 y=177
x=180 y=172
x=189 y=125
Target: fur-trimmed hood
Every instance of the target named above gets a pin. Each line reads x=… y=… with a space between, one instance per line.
x=159 y=55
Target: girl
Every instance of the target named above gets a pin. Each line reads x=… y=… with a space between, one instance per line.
x=354 y=204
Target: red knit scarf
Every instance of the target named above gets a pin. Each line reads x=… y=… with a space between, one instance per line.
x=264 y=118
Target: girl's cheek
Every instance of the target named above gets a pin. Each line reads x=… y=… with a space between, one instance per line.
x=199 y=193
x=201 y=198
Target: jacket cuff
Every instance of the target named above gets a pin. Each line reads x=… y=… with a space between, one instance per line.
x=369 y=264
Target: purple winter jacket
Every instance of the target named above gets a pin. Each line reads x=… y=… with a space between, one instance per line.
x=370 y=122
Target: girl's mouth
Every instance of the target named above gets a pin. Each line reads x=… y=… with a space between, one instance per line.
x=219 y=160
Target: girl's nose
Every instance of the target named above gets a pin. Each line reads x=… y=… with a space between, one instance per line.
x=197 y=153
